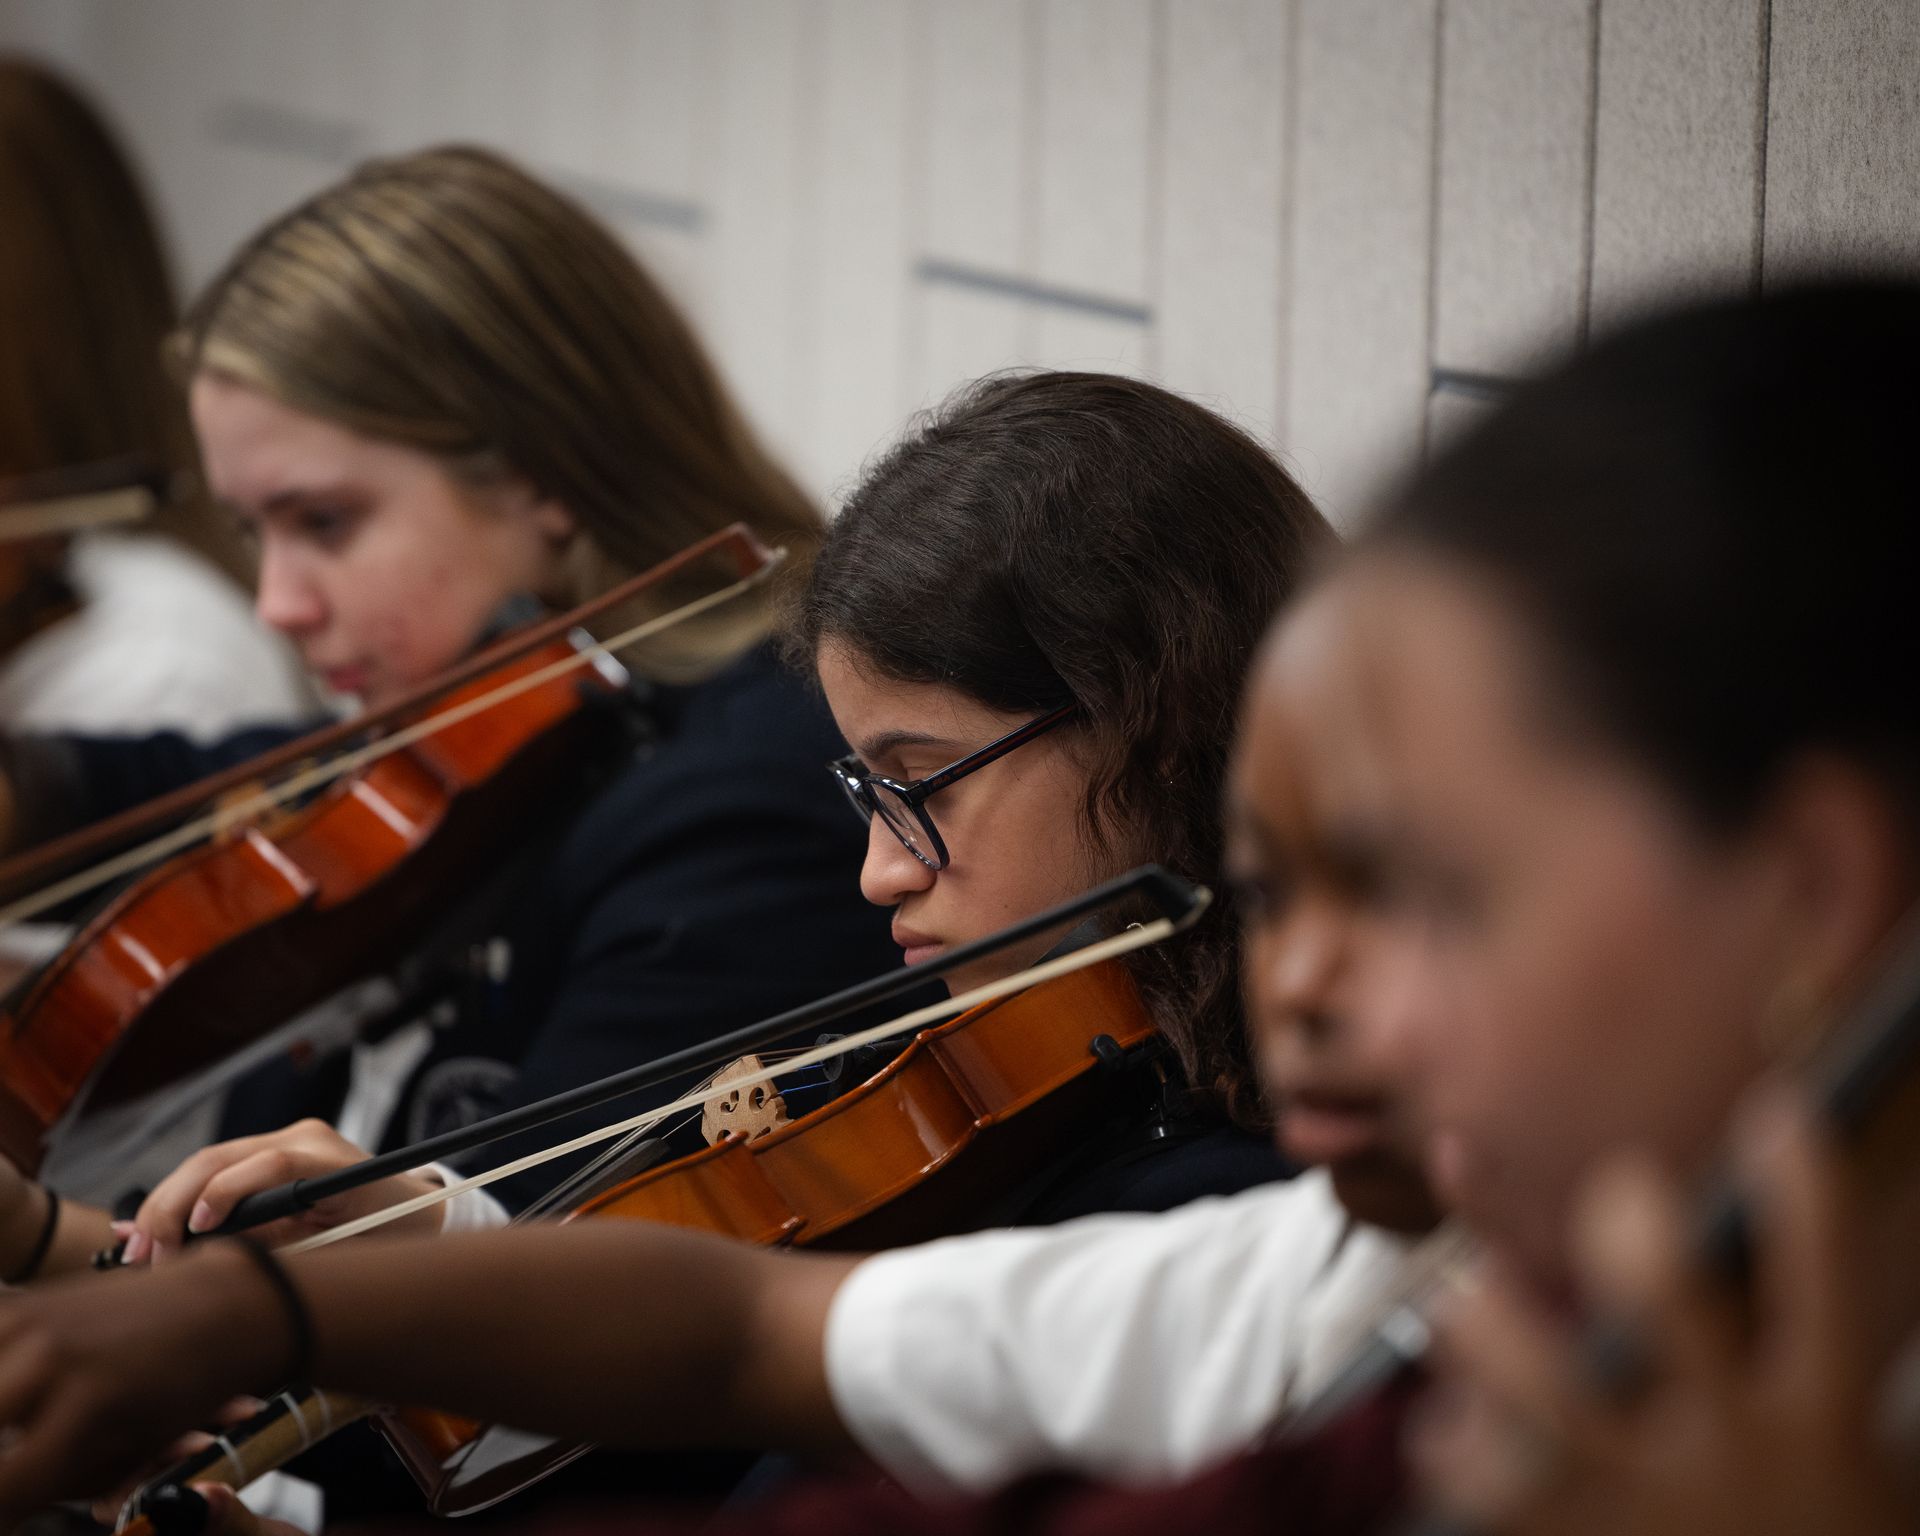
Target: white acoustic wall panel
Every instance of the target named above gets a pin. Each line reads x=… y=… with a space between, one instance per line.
x=268 y=144
x=658 y=64
x=565 y=54
x=1843 y=135
x=658 y=68
x=1511 y=239
x=61 y=32
x=1088 y=341
x=1264 y=202
x=136 y=72
x=963 y=333
x=1221 y=216
x=1677 y=149
x=465 y=73
x=408 y=70
x=312 y=61
x=1360 y=234
x=857 y=262
x=979 y=128
x=762 y=176
x=1095 y=145
x=977 y=121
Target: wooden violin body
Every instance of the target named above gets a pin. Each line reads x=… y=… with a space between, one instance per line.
x=214 y=948
x=927 y=1146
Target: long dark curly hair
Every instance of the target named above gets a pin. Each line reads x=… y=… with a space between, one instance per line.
x=1046 y=538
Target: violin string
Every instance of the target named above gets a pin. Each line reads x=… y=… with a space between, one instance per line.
x=608 y=1157
x=295 y=785
x=1135 y=937
x=585 y=1175
x=571 y=1190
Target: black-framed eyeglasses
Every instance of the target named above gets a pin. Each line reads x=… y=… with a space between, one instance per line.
x=903 y=807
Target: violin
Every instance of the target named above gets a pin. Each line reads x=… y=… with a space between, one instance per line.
x=326 y=877
x=922 y=1148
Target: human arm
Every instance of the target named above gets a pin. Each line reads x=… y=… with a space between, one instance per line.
x=1135 y=1347
x=79 y=1230
x=1760 y=1426
x=618 y=1332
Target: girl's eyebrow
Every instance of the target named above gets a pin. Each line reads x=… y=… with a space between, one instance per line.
x=893 y=741
x=322 y=490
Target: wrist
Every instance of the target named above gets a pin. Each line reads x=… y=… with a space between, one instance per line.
x=296 y=1323
x=23 y=1213
x=257 y=1329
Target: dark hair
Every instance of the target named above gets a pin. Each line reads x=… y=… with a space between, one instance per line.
x=1713 y=519
x=1047 y=538
x=85 y=305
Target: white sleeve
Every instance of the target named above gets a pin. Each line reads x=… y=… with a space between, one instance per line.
x=1130 y=1347
x=472 y=1210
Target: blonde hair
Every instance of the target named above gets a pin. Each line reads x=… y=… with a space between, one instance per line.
x=450 y=302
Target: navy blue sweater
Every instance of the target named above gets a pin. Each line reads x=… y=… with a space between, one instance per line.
x=709 y=879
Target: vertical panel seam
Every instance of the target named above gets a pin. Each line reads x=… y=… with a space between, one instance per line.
x=1764 y=117
x=808 y=235
x=1438 y=128
x=1284 y=274
x=1033 y=189
x=915 y=164
x=1592 y=170
x=1159 y=125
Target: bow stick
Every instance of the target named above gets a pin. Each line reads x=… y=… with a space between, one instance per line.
x=73 y=500
x=1176 y=903
x=292 y=1423
x=757 y=564
x=283 y=1428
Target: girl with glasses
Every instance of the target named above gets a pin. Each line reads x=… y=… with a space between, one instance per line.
x=1032 y=623
x=1634 y=749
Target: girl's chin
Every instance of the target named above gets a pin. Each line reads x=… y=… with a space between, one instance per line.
x=969 y=977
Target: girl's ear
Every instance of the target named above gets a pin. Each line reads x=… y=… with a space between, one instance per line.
x=1844 y=842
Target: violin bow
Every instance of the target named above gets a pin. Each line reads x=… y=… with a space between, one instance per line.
x=754 y=562
x=293 y=1422
x=63 y=501
x=1176 y=904
x=287 y=1426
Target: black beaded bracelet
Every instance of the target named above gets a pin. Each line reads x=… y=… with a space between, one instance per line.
x=42 y=1245
x=299 y=1321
